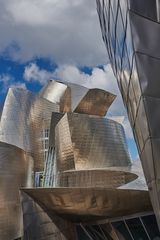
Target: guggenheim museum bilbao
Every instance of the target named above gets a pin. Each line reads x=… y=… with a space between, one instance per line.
x=65 y=170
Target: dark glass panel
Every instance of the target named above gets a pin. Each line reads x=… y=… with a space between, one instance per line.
x=108 y=231
x=96 y=232
x=151 y=226
x=121 y=230
x=136 y=228
x=81 y=233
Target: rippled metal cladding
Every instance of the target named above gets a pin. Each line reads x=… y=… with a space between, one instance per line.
x=60 y=141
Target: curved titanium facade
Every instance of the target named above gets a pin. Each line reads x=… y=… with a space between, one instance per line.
x=91 y=142
x=27 y=128
x=83 y=142
x=15 y=172
x=24 y=117
x=95 y=178
x=74 y=98
x=59 y=139
x=131 y=33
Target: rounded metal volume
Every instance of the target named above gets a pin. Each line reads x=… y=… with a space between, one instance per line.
x=16 y=167
x=94 y=178
x=85 y=142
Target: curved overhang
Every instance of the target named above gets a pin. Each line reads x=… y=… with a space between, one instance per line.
x=81 y=204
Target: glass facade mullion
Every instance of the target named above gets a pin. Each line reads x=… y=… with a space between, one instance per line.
x=101 y=230
x=136 y=229
x=151 y=226
x=145 y=228
x=129 y=230
x=121 y=230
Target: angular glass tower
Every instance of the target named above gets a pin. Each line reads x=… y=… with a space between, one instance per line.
x=131 y=33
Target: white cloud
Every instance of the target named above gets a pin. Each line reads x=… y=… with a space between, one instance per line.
x=66 y=31
x=33 y=73
x=5 y=80
x=8 y=80
x=99 y=78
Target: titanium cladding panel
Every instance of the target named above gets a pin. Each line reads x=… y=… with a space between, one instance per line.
x=15 y=172
x=74 y=98
x=40 y=117
x=14 y=122
x=131 y=33
x=89 y=204
x=85 y=142
x=24 y=117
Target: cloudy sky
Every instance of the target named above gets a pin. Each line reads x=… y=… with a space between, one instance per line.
x=55 y=39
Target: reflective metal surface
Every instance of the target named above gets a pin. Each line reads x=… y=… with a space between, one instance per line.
x=25 y=126
x=131 y=33
x=72 y=97
x=84 y=142
x=23 y=118
x=94 y=178
x=15 y=172
x=38 y=224
x=59 y=139
x=95 y=102
x=82 y=204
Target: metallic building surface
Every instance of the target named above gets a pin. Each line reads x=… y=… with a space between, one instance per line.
x=74 y=98
x=25 y=118
x=85 y=142
x=131 y=33
x=15 y=172
x=39 y=225
x=15 y=117
x=84 y=204
x=40 y=117
x=18 y=155
x=95 y=178
x=67 y=95
x=95 y=102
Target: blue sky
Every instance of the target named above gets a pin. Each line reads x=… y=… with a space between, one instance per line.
x=55 y=39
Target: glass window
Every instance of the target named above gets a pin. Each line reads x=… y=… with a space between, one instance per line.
x=81 y=233
x=46 y=143
x=46 y=133
x=121 y=230
x=136 y=228
x=151 y=227
x=45 y=155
